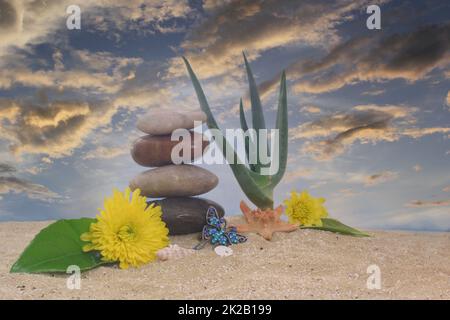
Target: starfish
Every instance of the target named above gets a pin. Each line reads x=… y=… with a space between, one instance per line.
x=264 y=222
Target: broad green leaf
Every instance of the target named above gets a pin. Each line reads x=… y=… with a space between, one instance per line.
x=338 y=227
x=56 y=247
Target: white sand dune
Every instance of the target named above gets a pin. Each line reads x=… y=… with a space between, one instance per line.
x=304 y=264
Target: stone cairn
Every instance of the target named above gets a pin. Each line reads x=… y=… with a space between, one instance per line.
x=177 y=185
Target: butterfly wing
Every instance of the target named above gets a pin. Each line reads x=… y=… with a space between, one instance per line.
x=241 y=238
x=215 y=228
x=234 y=237
x=208 y=232
x=213 y=219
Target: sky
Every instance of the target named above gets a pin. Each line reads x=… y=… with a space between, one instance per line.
x=369 y=110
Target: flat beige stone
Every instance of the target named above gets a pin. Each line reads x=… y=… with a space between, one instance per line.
x=174 y=181
x=164 y=122
x=303 y=264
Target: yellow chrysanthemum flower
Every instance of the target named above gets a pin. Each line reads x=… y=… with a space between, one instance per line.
x=305 y=210
x=127 y=231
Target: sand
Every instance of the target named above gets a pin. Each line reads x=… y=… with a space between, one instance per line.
x=305 y=264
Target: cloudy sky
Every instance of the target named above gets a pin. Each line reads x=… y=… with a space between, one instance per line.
x=369 y=109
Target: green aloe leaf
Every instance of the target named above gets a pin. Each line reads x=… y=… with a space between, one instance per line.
x=257 y=112
x=338 y=227
x=244 y=127
x=258 y=120
x=57 y=247
x=256 y=187
x=211 y=122
x=282 y=126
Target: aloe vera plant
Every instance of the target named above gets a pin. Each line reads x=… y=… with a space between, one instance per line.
x=258 y=187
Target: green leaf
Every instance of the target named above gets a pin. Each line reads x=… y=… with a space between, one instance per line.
x=282 y=126
x=257 y=113
x=256 y=187
x=244 y=127
x=211 y=122
x=258 y=120
x=56 y=247
x=338 y=227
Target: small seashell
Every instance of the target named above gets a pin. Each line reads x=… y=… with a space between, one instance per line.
x=173 y=252
x=223 y=251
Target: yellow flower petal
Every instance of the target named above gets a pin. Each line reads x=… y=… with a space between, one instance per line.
x=304 y=209
x=127 y=231
x=88 y=247
x=85 y=236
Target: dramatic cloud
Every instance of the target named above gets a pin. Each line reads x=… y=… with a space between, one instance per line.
x=363 y=124
x=105 y=153
x=32 y=190
x=99 y=85
x=298 y=173
x=29 y=22
x=381 y=177
x=12 y=184
x=9 y=109
x=422 y=203
x=54 y=129
x=6 y=168
x=317 y=176
x=374 y=92
x=433 y=218
x=410 y=56
x=99 y=72
x=57 y=128
x=139 y=16
x=310 y=109
x=256 y=26
x=347 y=193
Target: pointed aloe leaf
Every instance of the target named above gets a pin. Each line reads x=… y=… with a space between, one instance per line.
x=257 y=112
x=258 y=120
x=256 y=187
x=244 y=127
x=211 y=122
x=282 y=126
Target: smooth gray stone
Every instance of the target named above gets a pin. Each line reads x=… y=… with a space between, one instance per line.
x=164 y=122
x=174 y=181
x=186 y=215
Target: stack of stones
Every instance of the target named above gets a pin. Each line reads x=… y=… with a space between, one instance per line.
x=175 y=184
